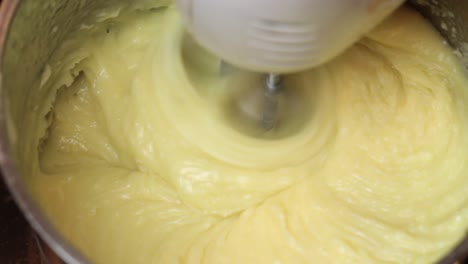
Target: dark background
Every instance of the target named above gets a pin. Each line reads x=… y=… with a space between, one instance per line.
x=18 y=243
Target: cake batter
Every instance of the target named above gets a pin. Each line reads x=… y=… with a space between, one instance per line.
x=136 y=161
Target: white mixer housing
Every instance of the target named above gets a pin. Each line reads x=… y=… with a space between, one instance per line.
x=281 y=36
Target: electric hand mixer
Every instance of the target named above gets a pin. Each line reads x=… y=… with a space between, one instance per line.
x=278 y=37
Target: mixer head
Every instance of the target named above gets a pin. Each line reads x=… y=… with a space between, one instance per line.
x=278 y=37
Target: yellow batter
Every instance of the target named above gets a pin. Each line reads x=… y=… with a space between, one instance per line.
x=137 y=162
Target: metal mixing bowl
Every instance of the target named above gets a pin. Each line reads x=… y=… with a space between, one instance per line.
x=30 y=31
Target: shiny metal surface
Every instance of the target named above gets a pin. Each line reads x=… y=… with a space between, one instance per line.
x=30 y=30
x=270 y=110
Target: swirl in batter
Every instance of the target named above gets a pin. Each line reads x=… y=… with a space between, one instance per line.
x=136 y=160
